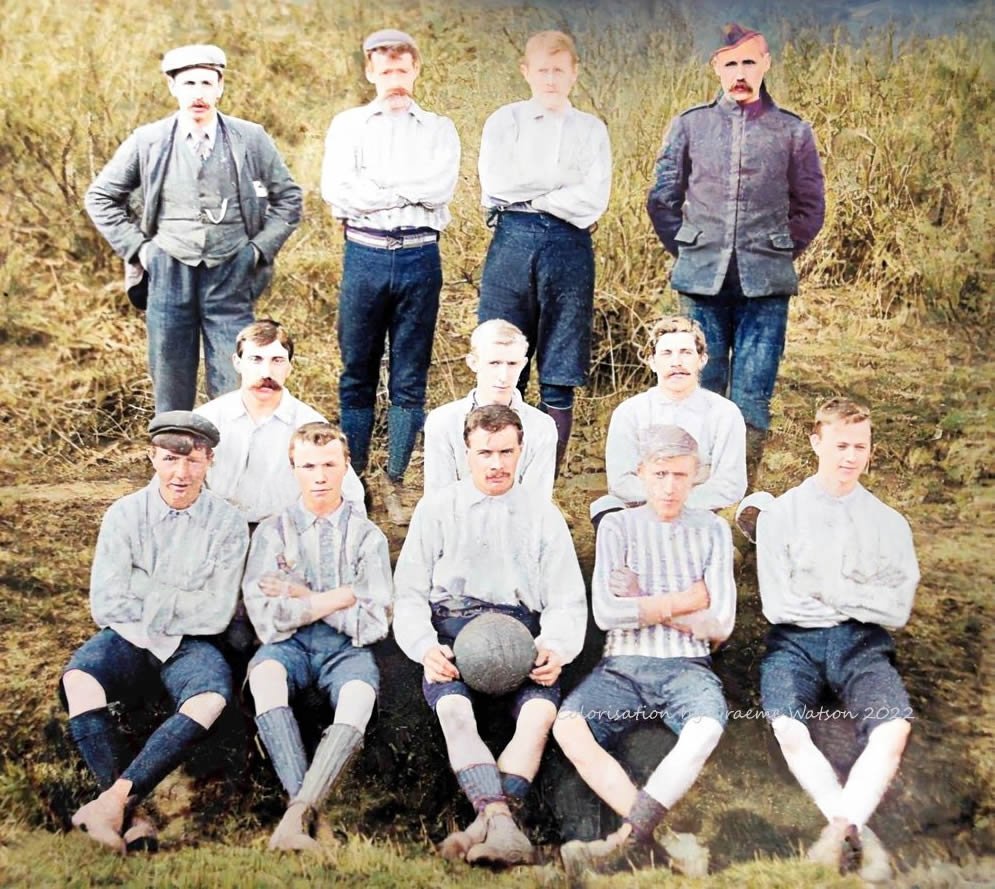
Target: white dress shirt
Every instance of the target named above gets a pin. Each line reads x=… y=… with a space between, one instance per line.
x=291 y=543
x=445 y=450
x=716 y=424
x=251 y=467
x=388 y=170
x=514 y=549
x=822 y=559
x=557 y=162
x=160 y=574
x=667 y=557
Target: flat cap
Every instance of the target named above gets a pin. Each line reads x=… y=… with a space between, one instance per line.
x=186 y=422
x=196 y=55
x=733 y=34
x=388 y=37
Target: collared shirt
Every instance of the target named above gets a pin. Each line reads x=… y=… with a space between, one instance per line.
x=667 y=557
x=388 y=171
x=445 y=450
x=251 y=467
x=194 y=137
x=160 y=574
x=558 y=162
x=507 y=550
x=822 y=559
x=344 y=548
x=716 y=424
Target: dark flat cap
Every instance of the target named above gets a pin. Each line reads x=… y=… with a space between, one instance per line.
x=186 y=422
x=733 y=34
x=196 y=55
x=388 y=37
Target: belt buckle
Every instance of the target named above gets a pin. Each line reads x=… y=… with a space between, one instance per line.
x=394 y=242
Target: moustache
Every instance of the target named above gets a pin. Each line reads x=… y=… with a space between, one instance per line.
x=268 y=383
x=398 y=92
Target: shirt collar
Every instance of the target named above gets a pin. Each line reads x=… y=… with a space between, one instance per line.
x=697 y=401
x=537 y=110
x=516 y=400
x=186 y=128
x=159 y=509
x=845 y=500
x=303 y=518
x=470 y=495
x=414 y=109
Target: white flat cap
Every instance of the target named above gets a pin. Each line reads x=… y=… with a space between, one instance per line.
x=196 y=55
x=388 y=37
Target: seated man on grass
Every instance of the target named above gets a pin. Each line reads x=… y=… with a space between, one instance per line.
x=317 y=590
x=837 y=569
x=663 y=590
x=482 y=545
x=165 y=575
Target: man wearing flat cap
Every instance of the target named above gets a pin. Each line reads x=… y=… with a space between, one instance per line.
x=663 y=591
x=215 y=203
x=165 y=575
x=739 y=194
x=389 y=172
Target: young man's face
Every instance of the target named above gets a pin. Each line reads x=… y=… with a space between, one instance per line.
x=844 y=450
x=197 y=91
x=263 y=369
x=498 y=367
x=551 y=77
x=668 y=483
x=394 y=78
x=319 y=470
x=677 y=364
x=493 y=459
x=181 y=476
x=741 y=69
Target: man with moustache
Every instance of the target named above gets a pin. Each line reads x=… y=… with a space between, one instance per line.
x=165 y=576
x=389 y=173
x=487 y=544
x=318 y=590
x=216 y=204
x=837 y=569
x=497 y=356
x=677 y=353
x=256 y=421
x=738 y=195
x=545 y=177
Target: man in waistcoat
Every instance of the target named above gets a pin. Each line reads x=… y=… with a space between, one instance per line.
x=215 y=203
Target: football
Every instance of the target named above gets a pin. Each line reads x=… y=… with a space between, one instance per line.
x=494 y=653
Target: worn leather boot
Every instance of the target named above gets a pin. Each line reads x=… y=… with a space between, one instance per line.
x=504 y=844
x=459 y=842
x=293 y=833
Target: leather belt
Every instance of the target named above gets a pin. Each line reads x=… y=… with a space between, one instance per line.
x=389 y=240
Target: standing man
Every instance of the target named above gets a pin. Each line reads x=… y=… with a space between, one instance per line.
x=678 y=354
x=486 y=544
x=739 y=194
x=389 y=172
x=318 y=589
x=250 y=469
x=165 y=574
x=217 y=204
x=663 y=590
x=837 y=569
x=545 y=177
x=498 y=354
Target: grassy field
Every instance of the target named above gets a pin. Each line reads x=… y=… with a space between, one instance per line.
x=895 y=309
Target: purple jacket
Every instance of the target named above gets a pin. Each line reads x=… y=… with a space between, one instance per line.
x=744 y=178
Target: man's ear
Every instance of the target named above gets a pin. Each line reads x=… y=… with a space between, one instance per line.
x=473 y=361
x=814 y=440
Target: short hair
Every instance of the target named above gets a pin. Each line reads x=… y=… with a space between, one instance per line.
x=491 y=418
x=500 y=333
x=393 y=51
x=839 y=410
x=181 y=443
x=551 y=42
x=662 y=442
x=318 y=433
x=675 y=324
x=262 y=333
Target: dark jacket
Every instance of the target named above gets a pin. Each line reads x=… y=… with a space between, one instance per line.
x=123 y=201
x=744 y=178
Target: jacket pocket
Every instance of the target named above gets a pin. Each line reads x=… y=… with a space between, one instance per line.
x=782 y=241
x=687 y=235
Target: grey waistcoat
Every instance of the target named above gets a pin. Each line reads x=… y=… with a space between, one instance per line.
x=191 y=227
